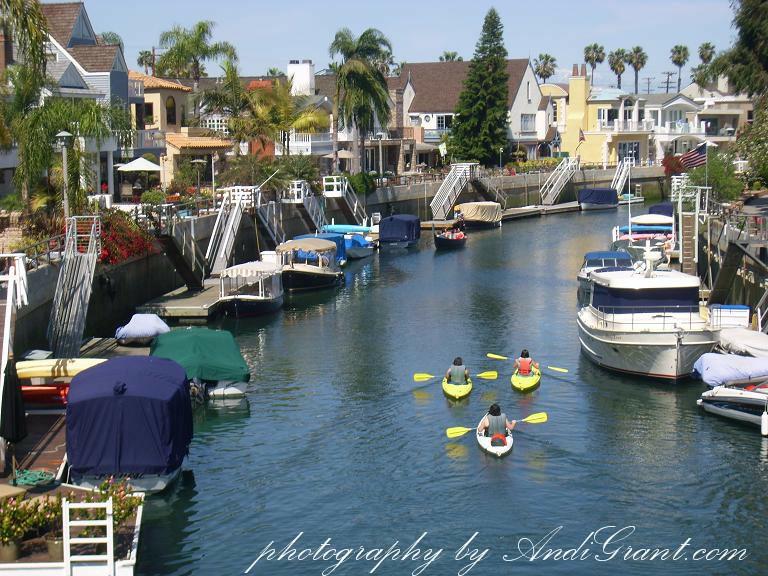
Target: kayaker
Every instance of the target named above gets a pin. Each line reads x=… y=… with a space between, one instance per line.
x=458 y=373
x=496 y=425
x=525 y=363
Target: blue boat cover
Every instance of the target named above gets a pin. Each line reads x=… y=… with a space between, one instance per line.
x=338 y=239
x=346 y=228
x=665 y=208
x=719 y=369
x=400 y=228
x=603 y=254
x=129 y=415
x=598 y=196
x=356 y=240
x=142 y=326
x=645 y=228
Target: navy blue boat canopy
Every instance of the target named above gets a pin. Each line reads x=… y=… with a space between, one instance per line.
x=399 y=228
x=338 y=239
x=616 y=254
x=129 y=415
x=598 y=196
x=628 y=300
x=664 y=208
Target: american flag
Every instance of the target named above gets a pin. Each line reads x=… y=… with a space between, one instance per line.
x=695 y=157
x=581 y=135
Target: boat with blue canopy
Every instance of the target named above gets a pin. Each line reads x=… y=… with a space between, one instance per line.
x=310 y=264
x=399 y=231
x=129 y=417
x=594 y=261
x=335 y=237
x=598 y=198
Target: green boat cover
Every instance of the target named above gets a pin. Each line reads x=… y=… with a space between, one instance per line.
x=205 y=354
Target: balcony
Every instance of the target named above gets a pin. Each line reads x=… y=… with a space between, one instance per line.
x=646 y=125
x=435 y=134
x=148 y=139
x=304 y=143
x=675 y=129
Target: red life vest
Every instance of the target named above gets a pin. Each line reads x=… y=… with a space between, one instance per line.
x=525 y=366
x=498 y=440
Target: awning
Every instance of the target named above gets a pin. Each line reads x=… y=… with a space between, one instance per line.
x=308 y=244
x=422 y=147
x=139 y=165
x=250 y=270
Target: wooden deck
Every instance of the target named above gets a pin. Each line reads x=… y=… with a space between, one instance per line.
x=185 y=306
x=45 y=446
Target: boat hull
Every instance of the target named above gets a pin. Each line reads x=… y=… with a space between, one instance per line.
x=456 y=391
x=226 y=389
x=147 y=483
x=244 y=306
x=481 y=224
x=359 y=252
x=649 y=353
x=526 y=383
x=443 y=243
x=300 y=280
x=593 y=206
x=485 y=444
x=736 y=403
x=402 y=245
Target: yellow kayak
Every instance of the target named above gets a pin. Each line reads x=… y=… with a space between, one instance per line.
x=457 y=391
x=526 y=383
x=55 y=367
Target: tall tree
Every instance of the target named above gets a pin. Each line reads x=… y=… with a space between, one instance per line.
x=480 y=125
x=679 y=56
x=287 y=113
x=146 y=59
x=594 y=54
x=112 y=38
x=617 y=60
x=190 y=49
x=544 y=66
x=448 y=56
x=637 y=58
x=358 y=74
x=25 y=22
x=274 y=72
x=706 y=52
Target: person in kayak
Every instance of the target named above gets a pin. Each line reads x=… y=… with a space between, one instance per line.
x=457 y=373
x=496 y=425
x=525 y=364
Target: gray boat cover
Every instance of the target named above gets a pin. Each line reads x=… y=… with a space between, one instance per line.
x=480 y=211
x=142 y=326
x=720 y=369
x=744 y=341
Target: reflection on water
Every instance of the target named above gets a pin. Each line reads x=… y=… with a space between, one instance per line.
x=336 y=440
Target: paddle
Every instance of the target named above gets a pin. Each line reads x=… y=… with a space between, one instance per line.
x=537 y=418
x=500 y=357
x=423 y=377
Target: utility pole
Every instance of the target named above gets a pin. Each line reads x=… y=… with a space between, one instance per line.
x=153 y=60
x=667 y=82
x=647 y=80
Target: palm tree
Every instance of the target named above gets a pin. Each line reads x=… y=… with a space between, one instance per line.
x=112 y=38
x=706 y=52
x=274 y=72
x=544 y=66
x=594 y=54
x=447 y=56
x=637 y=58
x=679 y=56
x=146 y=59
x=25 y=22
x=616 y=61
x=357 y=78
x=289 y=113
x=190 y=48
x=230 y=98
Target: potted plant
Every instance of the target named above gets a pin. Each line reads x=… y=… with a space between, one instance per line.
x=50 y=510
x=14 y=520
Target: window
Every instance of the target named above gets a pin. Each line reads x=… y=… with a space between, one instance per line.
x=554 y=110
x=528 y=122
x=528 y=91
x=170 y=110
x=444 y=122
x=149 y=113
x=750 y=116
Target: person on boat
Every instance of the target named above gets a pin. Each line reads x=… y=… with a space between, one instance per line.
x=457 y=374
x=496 y=425
x=525 y=364
x=460 y=224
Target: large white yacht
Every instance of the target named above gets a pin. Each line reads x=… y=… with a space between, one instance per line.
x=645 y=322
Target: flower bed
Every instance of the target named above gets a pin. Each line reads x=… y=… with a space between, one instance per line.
x=122 y=239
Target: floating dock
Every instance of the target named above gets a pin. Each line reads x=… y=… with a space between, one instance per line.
x=186 y=306
x=511 y=214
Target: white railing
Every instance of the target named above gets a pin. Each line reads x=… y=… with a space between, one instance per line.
x=314 y=207
x=306 y=143
x=450 y=189
x=622 y=173
x=650 y=318
x=339 y=187
x=225 y=230
x=135 y=89
x=270 y=216
x=646 y=125
x=297 y=191
x=557 y=180
x=81 y=537
x=148 y=139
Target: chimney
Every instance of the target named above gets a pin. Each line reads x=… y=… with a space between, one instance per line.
x=575 y=70
x=302 y=74
x=584 y=70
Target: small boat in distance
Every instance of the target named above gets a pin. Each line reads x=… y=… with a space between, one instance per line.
x=399 y=231
x=450 y=240
x=598 y=198
x=311 y=264
x=251 y=289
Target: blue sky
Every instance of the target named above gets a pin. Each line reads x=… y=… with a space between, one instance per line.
x=271 y=33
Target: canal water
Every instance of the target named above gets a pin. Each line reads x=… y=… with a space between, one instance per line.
x=335 y=440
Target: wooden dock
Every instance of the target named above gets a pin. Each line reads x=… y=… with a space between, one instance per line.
x=185 y=306
x=522 y=212
x=511 y=214
x=558 y=208
x=45 y=446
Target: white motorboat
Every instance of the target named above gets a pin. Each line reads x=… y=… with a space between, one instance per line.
x=648 y=323
x=745 y=403
x=251 y=289
x=595 y=261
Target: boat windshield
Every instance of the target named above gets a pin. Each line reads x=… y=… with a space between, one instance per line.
x=629 y=301
x=607 y=262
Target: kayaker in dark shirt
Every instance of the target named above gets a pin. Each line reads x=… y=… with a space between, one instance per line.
x=495 y=424
x=525 y=364
x=458 y=373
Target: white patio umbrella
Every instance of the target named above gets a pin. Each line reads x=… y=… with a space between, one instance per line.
x=140 y=165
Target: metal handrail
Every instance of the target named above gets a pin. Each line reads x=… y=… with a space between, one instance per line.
x=635 y=317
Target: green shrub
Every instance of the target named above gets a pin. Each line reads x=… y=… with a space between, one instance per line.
x=154 y=197
x=11 y=202
x=362 y=183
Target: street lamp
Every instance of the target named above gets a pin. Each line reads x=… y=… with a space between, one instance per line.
x=500 y=152
x=63 y=139
x=197 y=162
x=380 y=137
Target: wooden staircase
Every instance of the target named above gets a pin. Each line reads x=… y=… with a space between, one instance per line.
x=688 y=244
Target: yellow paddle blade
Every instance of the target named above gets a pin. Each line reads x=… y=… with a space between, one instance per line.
x=490 y=375
x=422 y=377
x=538 y=418
x=496 y=356
x=457 y=431
x=556 y=369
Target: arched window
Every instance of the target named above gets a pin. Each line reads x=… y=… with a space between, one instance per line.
x=170 y=110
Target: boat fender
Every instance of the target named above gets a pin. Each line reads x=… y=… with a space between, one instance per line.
x=764 y=423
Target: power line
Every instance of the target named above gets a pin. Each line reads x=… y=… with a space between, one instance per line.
x=667 y=82
x=647 y=80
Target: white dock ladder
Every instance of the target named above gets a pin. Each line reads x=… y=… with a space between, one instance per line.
x=458 y=178
x=621 y=175
x=340 y=187
x=225 y=230
x=556 y=182
x=270 y=216
x=106 y=560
